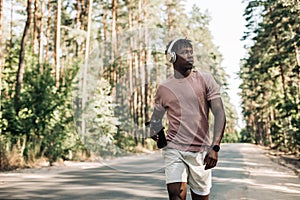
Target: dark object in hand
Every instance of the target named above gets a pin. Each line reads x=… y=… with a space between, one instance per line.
x=162 y=141
x=160 y=137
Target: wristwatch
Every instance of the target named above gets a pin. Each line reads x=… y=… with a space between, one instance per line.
x=216 y=148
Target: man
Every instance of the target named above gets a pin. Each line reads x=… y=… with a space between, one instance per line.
x=186 y=98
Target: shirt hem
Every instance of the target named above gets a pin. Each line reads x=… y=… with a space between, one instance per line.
x=188 y=147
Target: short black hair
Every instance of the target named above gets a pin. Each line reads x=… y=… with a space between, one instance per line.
x=179 y=44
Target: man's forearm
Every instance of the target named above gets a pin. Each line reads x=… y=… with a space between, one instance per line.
x=156 y=121
x=219 y=120
x=219 y=126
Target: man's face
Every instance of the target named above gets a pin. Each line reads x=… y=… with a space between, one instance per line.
x=185 y=58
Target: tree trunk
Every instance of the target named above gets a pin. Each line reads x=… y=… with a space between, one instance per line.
x=169 y=20
x=104 y=42
x=36 y=27
x=268 y=128
x=136 y=97
x=297 y=54
x=130 y=59
x=82 y=15
x=147 y=70
x=48 y=31
x=21 y=66
x=170 y=31
x=297 y=58
x=142 y=69
x=113 y=72
x=40 y=38
x=84 y=93
x=57 y=43
x=77 y=22
x=113 y=29
x=1 y=66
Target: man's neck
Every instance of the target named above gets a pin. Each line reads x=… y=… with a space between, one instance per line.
x=182 y=74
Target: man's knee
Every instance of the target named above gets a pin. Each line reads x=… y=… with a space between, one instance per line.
x=199 y=196
x=177 y=191
x=176 y=195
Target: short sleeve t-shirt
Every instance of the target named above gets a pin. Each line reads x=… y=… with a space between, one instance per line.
x=186 y=102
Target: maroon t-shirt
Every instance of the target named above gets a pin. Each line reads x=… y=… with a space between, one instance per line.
x=186 y=103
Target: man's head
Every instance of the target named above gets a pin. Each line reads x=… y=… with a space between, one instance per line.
x=180 y=53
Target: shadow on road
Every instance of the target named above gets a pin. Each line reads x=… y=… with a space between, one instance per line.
x=119 y=179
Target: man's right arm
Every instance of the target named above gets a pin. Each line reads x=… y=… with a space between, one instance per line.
x=157 y=115
x=156 y=121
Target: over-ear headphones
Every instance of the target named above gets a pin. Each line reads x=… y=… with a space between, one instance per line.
x=171 y=55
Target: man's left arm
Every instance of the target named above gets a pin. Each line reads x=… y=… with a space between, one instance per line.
x=217 y=109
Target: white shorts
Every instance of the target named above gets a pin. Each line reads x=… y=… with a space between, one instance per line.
x=186 y=166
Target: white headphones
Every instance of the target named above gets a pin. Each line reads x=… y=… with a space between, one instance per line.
x=171 y=55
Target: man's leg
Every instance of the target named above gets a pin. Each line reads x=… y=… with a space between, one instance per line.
x=199 y=197
x=177 y=191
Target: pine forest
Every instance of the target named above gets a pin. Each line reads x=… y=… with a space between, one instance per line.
x=78 y=77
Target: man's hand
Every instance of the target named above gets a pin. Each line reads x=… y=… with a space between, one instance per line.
x=155 y=137
x=153 y=131
x=211 y=159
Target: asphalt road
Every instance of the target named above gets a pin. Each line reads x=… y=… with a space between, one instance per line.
x=244 y=172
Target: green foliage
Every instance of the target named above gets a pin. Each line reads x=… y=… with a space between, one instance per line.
x=45 y=119
x=246 y=135
x=9 y=69
x=47 y=122
x=100 y=121
x=51 y=114
x=270 y=87
x=231 y=137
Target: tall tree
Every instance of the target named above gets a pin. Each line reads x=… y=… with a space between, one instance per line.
x=57 y=43
x=21 y=66
x=36 y=25
x=77 y=24
x=41 y=37
x=270 y=74
x=1 y=57
x=50 y=13
x=86 y=63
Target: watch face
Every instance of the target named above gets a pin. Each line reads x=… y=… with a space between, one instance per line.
x=216 y=148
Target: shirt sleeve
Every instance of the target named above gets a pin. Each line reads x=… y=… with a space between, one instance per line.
x=212 y=87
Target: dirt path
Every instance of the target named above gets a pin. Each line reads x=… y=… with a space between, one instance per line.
x=243 y=172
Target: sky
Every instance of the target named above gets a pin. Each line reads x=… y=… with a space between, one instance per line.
x=227 y=27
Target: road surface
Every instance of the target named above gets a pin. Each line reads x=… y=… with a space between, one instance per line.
x=244 y=172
